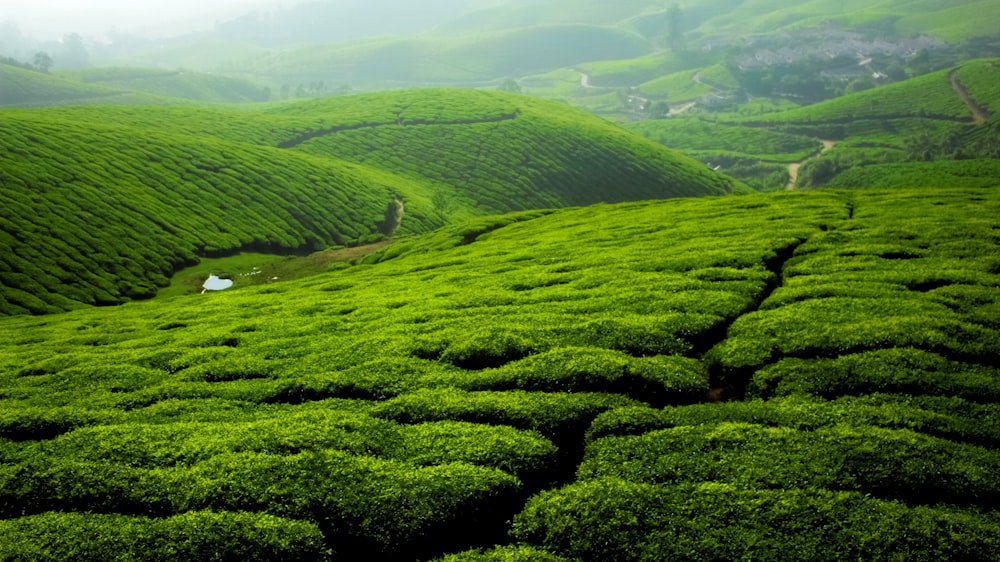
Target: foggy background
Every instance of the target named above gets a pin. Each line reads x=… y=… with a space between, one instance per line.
x=53 y=19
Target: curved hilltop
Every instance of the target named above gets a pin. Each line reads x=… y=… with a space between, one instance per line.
x=120 y=86
x=104 y=203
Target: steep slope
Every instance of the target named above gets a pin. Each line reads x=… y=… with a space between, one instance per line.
x=104 y=203
x=541 y=377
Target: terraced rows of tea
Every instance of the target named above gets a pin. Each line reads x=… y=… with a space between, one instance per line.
x=795 y=375
x=103 y=204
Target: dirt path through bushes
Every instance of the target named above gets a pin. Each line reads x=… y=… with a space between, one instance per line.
x=979 y=114
x=793 y=169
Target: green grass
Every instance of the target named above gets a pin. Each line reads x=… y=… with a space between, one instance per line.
x=246 y=268
x=542 y=377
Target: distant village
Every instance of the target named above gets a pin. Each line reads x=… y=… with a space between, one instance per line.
x=818 y=43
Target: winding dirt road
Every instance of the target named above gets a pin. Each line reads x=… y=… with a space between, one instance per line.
x=793 y=169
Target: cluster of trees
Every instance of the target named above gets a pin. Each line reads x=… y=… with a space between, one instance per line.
x=41 y=62
x=313 y=90
x=72 y=54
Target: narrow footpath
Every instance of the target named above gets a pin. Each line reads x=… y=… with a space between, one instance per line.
x=979 y=115
x=793 y=169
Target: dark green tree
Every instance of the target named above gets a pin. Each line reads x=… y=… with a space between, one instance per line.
x=675 y=37
x=510 y=85
x=919 y=63
x=43 y=61
x=393 y=217
x=75 y=53
x=658 y=109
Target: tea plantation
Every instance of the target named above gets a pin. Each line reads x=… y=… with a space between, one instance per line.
x=937 y=130
x=103 y=204
x=806 y=376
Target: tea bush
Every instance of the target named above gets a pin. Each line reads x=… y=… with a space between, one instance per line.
x=612 y=519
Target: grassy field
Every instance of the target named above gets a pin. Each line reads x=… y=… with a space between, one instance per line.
x=105 y=203
x=536 y=387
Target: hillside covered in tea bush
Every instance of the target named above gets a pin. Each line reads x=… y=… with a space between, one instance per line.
x=103 y=203
x=539 y=386
x=21 y=87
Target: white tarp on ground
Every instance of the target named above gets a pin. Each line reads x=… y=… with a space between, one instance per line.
x=214 y=283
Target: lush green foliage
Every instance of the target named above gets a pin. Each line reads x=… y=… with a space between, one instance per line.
x=450 y=59
x=28 y=88
x=894 y=464
x=937 y=130
x=612 y=519
x=174 y=84
x=928 y=96
x=941 y=416
x=706 y=138
x=194 y=535
x=92 y=194
x=546 y=368
x=896 y=277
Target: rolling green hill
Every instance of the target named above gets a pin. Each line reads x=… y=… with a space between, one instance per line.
x=715 y=18
x=456 y=60
x=104 y=203
x=27 y=88
x=121 y=86
x=535 y=387
x=174 y=84
x=937 y=130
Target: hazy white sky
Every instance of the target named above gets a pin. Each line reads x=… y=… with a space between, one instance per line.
x=52 y=19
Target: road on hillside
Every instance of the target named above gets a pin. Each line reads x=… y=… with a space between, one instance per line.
x=793 y=169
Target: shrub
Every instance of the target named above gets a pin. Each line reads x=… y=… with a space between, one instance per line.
x=611 y=519
x=658 y=379
x=900 y=370
x=197 y=535
x=558 y=416
x=504 y=554
x=946 y=417
x=897 y=464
